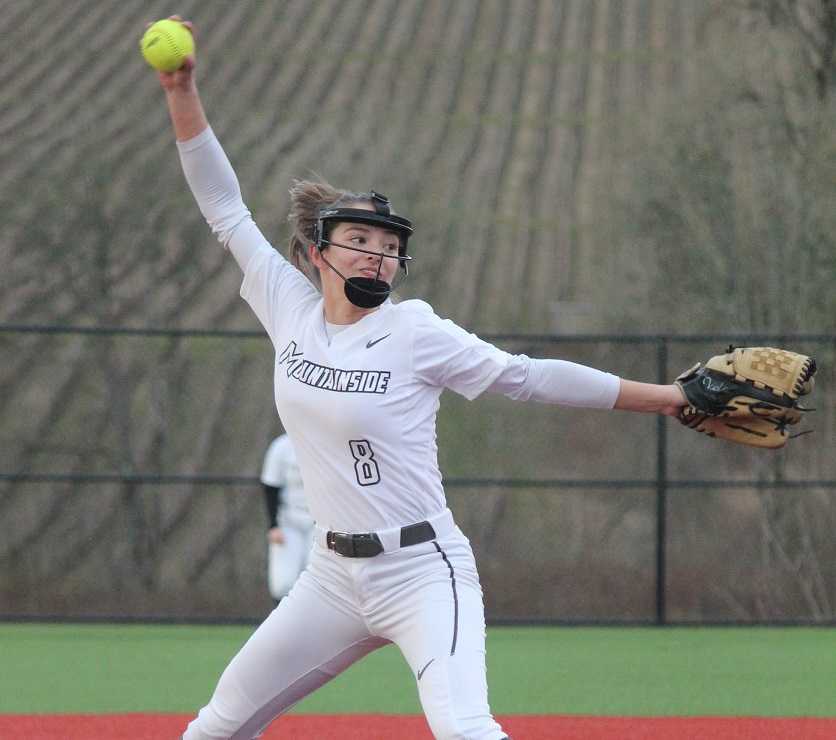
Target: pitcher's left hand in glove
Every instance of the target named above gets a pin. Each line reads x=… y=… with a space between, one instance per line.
x=748 y=395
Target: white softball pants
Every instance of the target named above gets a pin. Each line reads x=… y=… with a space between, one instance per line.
x=425 y=598
x=287 y=560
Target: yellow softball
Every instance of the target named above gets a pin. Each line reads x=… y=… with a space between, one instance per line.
x=166 y=44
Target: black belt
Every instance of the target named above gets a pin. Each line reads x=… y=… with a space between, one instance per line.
x=369 y=545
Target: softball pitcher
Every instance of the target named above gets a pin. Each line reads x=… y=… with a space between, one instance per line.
x=290 y=525
x=357 y=386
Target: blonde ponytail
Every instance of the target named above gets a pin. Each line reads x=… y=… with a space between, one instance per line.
x=306 y=199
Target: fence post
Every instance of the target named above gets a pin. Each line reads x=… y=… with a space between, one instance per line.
x=661 y=486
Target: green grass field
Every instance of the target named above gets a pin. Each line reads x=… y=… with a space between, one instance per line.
x=531 y=670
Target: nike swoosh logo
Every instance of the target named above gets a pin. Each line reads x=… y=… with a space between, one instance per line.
x=421 y=672
x=371 y=343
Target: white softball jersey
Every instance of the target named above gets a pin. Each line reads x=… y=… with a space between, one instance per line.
x=361 y=407
x=280 y=469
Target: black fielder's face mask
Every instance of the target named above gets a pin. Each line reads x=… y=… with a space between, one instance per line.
x=366 y=292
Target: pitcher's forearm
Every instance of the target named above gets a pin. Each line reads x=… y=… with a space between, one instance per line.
x=186 y=111
x=649 y=397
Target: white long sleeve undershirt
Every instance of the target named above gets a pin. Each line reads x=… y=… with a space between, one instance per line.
x=215 y=187
x=557 y=381
x=218 y=194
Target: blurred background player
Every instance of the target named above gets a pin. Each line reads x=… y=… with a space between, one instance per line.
x=291 y=526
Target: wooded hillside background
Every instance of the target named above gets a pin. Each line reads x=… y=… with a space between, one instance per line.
x=572 y=166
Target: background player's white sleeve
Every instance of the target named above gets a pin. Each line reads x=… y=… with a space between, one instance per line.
x=274 y=469
x=446 y=355
x=557 y=381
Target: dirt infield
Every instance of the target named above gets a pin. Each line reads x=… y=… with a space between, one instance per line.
x=407 y=727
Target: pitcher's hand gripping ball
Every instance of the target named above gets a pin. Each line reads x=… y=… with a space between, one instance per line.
x=166 y=44
x=748 y=395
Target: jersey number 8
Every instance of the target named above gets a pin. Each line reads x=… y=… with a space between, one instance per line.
x=365 y=466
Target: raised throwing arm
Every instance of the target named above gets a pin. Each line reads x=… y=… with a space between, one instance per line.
x=184 y=106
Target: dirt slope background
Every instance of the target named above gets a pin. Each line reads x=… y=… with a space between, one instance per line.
x=572 y=166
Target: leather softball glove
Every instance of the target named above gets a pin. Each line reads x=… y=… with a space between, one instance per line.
x=749 y=395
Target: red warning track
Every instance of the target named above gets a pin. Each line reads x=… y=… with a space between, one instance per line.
x=403 y=727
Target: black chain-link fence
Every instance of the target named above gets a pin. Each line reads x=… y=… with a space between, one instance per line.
x=128 y=487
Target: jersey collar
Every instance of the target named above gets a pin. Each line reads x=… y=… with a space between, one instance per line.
x=359 y=328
